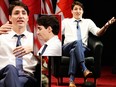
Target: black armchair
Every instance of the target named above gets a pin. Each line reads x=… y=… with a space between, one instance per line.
x=60 y=65
x=37 y=73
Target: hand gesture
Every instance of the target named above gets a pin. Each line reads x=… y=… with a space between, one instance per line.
x=21 y=51
x=111 y=21
x=5 y=28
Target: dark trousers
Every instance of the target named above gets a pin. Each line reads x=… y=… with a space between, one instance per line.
x=76 y=52
x=9 y=78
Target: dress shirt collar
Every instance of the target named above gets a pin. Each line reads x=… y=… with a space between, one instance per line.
x=73 y=19
x=52 y=39
x=12 y=33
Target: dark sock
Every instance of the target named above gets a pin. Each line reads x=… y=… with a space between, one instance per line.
x=83 y=66
x=71 y=78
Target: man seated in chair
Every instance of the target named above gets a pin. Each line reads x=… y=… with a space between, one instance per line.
x=75 y=31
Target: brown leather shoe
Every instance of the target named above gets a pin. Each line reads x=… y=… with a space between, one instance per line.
x=87 y=73
x=72 y=84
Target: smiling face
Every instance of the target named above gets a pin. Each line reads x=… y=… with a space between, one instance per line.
x=77 y=12
x=19 y=17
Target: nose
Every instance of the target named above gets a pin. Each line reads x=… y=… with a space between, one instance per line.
x=20 y=15
x=78 y=10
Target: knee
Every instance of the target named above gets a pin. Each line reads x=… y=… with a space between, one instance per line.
x=75 y=42
x=72 y=50
x=10 y=68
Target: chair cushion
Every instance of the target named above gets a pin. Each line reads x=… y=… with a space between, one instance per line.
x=88 y=60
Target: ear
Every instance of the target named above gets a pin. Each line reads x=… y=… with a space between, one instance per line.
x=83 y=11
x=49 y=29
x=28 y=19
x=9 y=18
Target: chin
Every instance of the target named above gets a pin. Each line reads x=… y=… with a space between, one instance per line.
x=21 y=27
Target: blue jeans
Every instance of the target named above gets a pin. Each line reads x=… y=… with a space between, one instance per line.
x=76 y=52
x=9 y=77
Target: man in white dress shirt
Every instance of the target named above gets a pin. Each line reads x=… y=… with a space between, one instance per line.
x=47 y=29
x=75 y=47
x=9 y=74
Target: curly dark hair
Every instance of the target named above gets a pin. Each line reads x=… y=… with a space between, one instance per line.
x=77 y=3
x=17 y=3
x=49 y=20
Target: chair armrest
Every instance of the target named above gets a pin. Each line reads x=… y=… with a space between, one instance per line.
x=94 y=44
x=96 y=47
x=37 y=74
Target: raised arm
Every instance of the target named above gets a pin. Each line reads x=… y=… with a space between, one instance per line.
x=105 y=27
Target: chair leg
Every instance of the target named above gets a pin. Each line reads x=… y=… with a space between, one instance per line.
x=60 y=80
x=89 y=83
x=95 y=81
x=85 y=80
